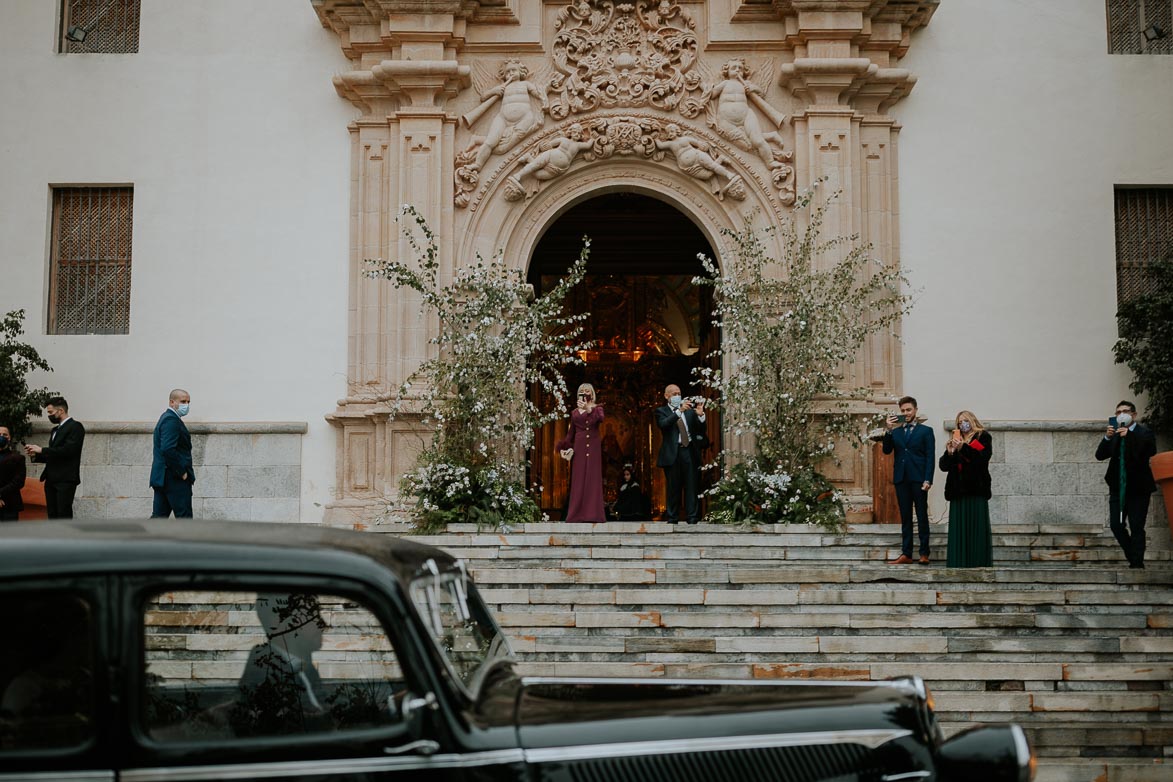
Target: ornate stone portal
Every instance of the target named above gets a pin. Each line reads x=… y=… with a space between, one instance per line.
x=494 y=117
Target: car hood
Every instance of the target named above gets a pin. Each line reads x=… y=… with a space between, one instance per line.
x=569 y=712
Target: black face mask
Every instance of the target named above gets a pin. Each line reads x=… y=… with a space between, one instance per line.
x=54 y=419
x=3 y=443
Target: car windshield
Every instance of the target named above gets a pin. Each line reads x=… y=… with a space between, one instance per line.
x=460 y=624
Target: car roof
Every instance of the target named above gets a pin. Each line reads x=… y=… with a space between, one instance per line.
x=49 y=548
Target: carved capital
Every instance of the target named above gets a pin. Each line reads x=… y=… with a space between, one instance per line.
x=827 y=81
x=423 y=84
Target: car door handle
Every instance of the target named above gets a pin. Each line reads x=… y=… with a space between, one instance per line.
x=420 y=746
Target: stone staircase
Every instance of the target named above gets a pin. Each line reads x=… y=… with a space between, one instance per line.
x=1060 y=636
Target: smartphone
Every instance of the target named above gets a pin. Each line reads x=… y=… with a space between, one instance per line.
x=1112 y=422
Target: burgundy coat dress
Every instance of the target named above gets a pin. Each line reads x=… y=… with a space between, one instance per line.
x=586 y=467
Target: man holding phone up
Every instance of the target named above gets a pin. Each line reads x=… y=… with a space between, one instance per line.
x=912 y=474
x=1128 y=446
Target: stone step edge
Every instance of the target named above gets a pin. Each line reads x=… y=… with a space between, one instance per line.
x=661 y=528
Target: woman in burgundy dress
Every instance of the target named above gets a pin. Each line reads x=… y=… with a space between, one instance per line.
x=583 y=448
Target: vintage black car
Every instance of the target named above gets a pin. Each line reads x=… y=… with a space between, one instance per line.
x=213 y=651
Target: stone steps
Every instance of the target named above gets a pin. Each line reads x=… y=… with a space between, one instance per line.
x=1058 y=636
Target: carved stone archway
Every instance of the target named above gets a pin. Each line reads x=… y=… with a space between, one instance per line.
x=491 y=116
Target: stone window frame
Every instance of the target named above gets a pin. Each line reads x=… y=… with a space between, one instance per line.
x=90 y=259
x=1127 y=20
x=110 y=26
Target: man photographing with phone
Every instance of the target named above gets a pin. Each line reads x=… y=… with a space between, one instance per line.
x=1128 y=446
x=912 y=475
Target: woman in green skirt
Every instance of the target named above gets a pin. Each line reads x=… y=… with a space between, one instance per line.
x=966 y=463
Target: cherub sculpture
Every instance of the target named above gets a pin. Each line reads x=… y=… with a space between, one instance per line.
x=734 y=119
x=517 y=118
x=694 y=158
x=552 y=161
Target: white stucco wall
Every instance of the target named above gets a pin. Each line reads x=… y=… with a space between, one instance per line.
x=1020 y=125
x=228 y=127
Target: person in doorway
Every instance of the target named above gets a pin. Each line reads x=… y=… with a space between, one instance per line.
x=912 y=475
x=630 y=505
x=61 y=457
x=966 y=463
x=12 y=477
x=1128 y=446
x=172 y=472
x=583 y=448
x=677 y=421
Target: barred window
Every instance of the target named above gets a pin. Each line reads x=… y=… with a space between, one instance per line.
x=1144 y=234
x=1140 y=26
x=89 y=280
x=99 y=26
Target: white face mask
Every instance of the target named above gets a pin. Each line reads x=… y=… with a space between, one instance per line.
x=674 y=401
x=965 y=427
x=1124 y=420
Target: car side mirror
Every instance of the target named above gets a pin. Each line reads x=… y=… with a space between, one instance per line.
x=994 y=753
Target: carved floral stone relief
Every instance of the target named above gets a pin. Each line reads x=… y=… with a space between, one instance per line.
x=608 y=55
x=605 y=137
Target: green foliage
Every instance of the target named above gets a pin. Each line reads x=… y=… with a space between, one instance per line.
x=791 y=328
x=1146 y=323
x=494 y=341
x=751 y=493
x=18 y=402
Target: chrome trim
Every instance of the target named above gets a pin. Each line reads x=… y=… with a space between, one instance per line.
x=868 y=738
x=58 y=776
x=906 y=775
x=320 y=767
x=1022 y=752
x=897 y=684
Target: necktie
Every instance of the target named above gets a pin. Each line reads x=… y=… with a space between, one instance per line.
x=683 y=427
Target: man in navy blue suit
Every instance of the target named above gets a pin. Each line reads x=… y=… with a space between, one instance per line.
x=172 y=473
x=912 y=475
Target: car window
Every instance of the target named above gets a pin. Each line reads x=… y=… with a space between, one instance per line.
x=46 y=671
x=460 y=625
x=237 y=665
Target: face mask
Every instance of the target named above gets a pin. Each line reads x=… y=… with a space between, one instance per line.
x=674 y=401
x=965 y=427
x=54 y=419
x=3 y=442
x=183 y=409
x=1124 y=420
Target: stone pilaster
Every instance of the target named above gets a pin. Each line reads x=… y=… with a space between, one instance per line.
x=845 y=74
x=404 y=70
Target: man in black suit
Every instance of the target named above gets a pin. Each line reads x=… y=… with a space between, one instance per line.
x=62 y=459
x=678 y=422
x=1128 y=446
x=172 y=473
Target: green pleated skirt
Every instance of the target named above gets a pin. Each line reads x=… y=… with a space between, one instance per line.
x=970 y=542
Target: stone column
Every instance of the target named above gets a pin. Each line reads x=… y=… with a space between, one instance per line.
x=404 y=69
x=844 y=73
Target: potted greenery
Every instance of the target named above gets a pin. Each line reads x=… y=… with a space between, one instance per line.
x=1146 y=346
x=18 y=402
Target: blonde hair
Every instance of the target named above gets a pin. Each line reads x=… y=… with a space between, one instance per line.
x=587 y=387
x=973 y=421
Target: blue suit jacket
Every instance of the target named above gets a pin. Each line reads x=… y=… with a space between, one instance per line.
x=172 y=456
x=914 y=453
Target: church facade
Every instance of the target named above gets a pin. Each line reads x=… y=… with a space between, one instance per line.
x=989 y=149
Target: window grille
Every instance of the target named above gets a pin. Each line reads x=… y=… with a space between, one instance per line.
x=1129 y=19
x=99 y=26
x=89 y=285
x=1144 y=233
